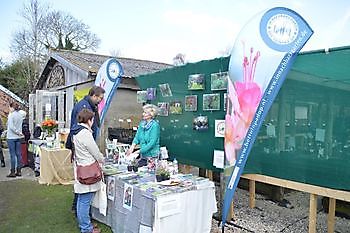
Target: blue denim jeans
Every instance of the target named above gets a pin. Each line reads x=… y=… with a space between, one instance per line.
x=83 y=209
x=15 y=152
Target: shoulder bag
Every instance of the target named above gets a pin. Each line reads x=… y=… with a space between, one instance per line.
x=90 y=174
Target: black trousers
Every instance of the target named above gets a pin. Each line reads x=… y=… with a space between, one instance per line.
x=1 y=153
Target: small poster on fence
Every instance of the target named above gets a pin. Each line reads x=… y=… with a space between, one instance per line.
x=219 y=128
x=110 y=187
x=127 y=197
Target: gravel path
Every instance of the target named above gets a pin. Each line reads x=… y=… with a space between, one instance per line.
x=268 y=216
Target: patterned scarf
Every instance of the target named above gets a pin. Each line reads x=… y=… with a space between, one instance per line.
x=146 y=125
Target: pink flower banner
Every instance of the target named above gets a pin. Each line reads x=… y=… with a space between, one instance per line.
x=262 y=55
x=108 y=77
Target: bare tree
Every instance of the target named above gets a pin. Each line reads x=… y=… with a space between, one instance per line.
x=115 y=52
x=179 y=59
x=26 y=42
x=45 y=29
x=63 y=31
x=2 y=64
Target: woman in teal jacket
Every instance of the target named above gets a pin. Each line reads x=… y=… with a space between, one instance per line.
x=147 y=135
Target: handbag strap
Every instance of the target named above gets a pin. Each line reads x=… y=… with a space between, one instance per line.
x=73 y=156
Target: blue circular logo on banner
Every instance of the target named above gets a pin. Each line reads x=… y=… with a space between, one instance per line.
x=279 y=28
x=114 y=70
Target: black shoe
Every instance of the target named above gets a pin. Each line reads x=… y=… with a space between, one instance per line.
x=2 y=163
x=18 y=172
x=12 y=174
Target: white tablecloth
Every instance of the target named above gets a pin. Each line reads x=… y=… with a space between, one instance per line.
x=195 y=210
x=185 y=212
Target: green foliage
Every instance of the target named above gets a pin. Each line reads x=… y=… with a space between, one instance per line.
x=19 y=77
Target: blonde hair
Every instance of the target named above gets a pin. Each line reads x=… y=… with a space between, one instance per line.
x=151 y=109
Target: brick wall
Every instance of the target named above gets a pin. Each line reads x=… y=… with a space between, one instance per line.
x=5 y=101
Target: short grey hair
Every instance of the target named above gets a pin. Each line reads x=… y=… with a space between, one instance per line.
x=151 y=109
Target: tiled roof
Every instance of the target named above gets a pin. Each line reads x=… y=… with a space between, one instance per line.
x=92 y=62
x=13 y=95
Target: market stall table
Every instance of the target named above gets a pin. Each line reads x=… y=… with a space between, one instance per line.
x=56 y=166
x=138 y=204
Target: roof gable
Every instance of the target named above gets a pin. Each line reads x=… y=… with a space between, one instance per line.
x=88 y=64
x=13 y=95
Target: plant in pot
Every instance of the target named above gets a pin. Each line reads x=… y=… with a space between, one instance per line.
x=129 y=166
x=162 y=173
x=134 y=166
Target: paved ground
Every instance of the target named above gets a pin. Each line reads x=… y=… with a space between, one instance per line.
x=27 y=173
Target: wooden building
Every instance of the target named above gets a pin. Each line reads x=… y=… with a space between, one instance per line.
x=68 y=73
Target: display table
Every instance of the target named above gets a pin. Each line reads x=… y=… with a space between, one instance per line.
x=159 y=208
x=56 y=166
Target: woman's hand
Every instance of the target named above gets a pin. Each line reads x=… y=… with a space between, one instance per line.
x=131 y=149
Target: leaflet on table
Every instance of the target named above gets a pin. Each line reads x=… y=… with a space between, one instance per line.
x=126 y=176
x=168 y=205
x=145 y=229
x=202 y=183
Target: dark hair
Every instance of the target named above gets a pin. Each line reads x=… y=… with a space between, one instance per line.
x=84 y=115
x=96 y=90
x=14 y=105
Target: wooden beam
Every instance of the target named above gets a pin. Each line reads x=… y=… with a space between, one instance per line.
x=331 y=215
x=251 y=193
x=313 y=213
x=210 y=174
x=321 y=191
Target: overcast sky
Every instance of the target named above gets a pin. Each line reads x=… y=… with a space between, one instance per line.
x=201 y=29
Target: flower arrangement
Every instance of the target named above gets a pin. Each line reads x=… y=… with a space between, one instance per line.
x=50 y=126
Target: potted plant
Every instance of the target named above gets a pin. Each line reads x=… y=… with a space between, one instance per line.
x=162 y=174
x=129 y=167
x=134 y=166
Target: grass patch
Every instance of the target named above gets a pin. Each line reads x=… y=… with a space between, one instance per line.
x=26 y=206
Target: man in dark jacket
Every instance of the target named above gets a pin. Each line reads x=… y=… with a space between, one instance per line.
x=90 y=102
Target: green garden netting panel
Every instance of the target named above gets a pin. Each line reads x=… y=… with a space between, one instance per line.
x=304 y=138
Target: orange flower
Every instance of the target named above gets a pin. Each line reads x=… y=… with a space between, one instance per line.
x=49 y=126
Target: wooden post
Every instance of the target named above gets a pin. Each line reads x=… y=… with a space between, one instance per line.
x=32 y=113
x=185 y=169
x=251 y=193
x=331 y=215
x=61 y=110
x=312 y=213
x=188 y=169
x=210 y=174
x=231 y=213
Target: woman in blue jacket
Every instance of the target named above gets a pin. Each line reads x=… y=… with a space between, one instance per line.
x=147 y=135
